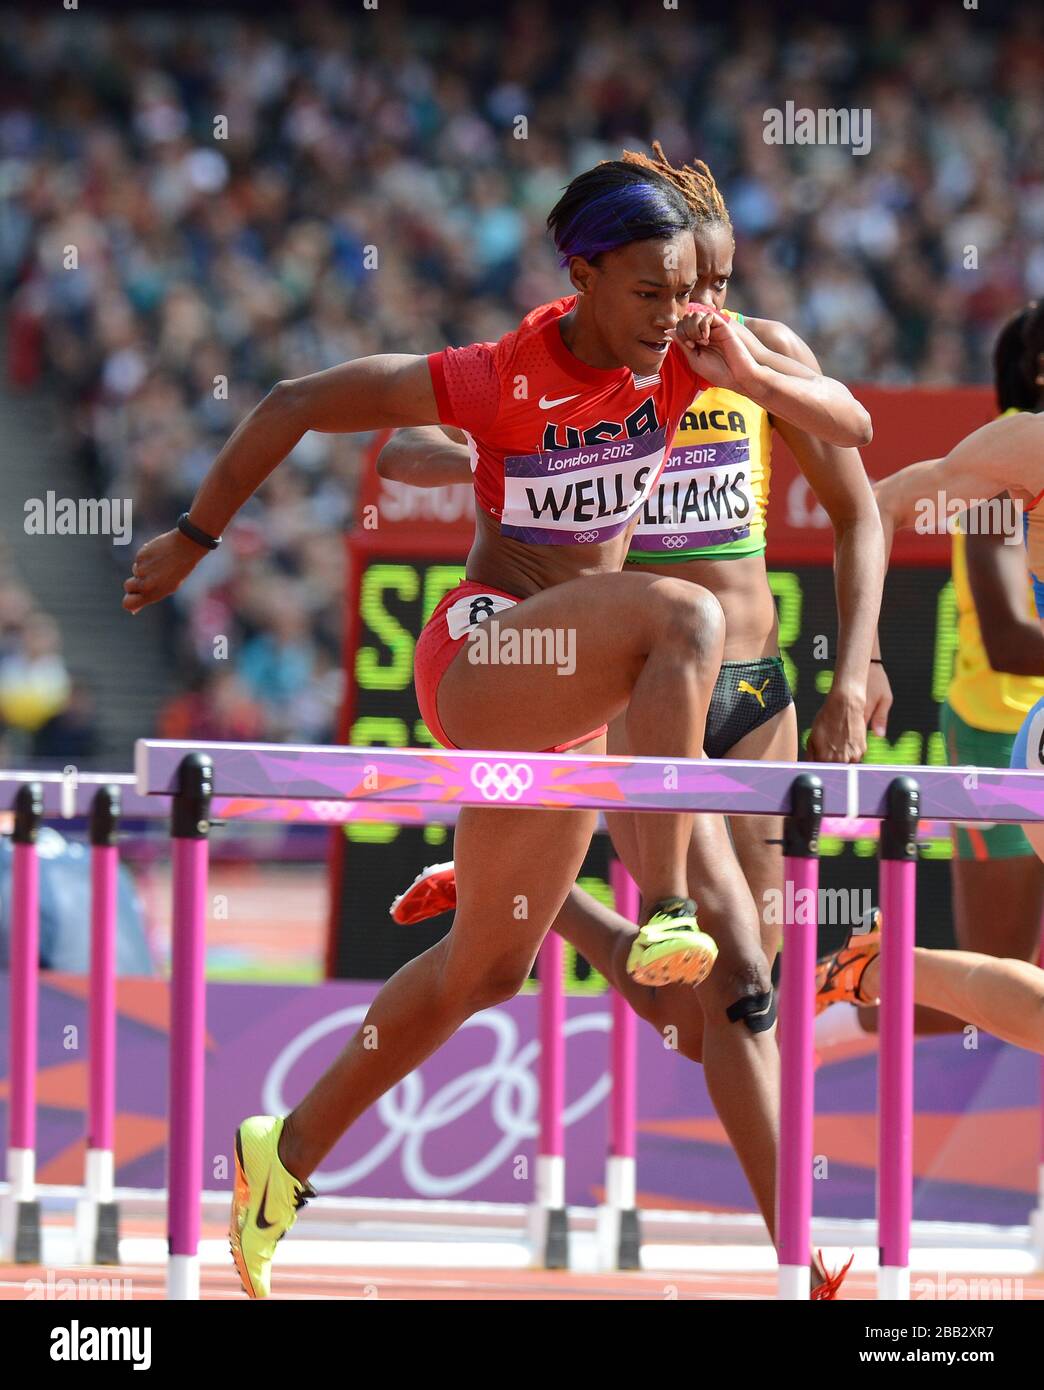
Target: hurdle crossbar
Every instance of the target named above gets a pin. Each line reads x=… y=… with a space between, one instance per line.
x=568 y=781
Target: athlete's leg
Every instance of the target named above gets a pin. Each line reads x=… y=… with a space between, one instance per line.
x=605 y=938
x=996 y=878
x=758 y=839
x=741 y=1065
x=651 y=645
x=648 y=646
x=997 y=905
x=1003 y=997
x=515 y=869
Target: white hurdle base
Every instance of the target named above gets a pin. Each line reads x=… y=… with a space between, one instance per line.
x=20 y=1240
x=893 y=1282
x=618 y=1231
x=97 y=1214
x=183 y=1278
x=497 y=1235
x=548 y=1222
x=1037 y=1221
x=794 y=1283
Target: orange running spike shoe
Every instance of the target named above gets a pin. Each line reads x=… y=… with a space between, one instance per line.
x=839 y=976
x=434 y=890
x=831 y=1282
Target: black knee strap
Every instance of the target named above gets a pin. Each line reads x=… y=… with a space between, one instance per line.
x=758 y=1011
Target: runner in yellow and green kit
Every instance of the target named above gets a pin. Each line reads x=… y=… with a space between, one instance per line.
x=998 y=676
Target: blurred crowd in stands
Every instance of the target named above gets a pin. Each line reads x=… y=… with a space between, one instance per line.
x=45 y=714
x=252 y=198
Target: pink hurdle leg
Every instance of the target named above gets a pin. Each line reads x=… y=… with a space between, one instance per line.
x=796 y=1026
x=1037 y=1216
x=898 y=850
x=191 y=824
x=21 y=1236
x=619 y=1234
x=97 y=1214
x=549 y=1227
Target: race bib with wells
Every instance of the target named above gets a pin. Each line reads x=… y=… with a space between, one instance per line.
x=586 y=494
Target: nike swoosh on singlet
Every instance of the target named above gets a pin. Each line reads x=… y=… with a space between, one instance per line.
x=545 y=404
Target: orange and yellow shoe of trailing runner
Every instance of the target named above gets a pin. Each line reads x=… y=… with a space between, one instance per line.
x=839 y=976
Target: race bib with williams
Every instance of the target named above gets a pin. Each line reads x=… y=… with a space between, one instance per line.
x=705 y=496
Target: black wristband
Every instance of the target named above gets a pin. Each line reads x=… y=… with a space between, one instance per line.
x=876 y=661
x=195 y=534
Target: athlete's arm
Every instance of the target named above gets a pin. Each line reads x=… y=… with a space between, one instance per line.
x=726 y=354
x=839 y=482
x=427 y=456
x=371 y=393
x=1005 y=454
x=1013 y=640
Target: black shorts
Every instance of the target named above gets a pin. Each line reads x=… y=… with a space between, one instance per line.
x=746 y=695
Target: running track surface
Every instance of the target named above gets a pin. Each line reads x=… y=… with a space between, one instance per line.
x=298 y=1282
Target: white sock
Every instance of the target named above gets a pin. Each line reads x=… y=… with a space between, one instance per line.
x=838 y=1024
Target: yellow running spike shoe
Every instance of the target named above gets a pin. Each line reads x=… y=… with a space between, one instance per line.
x=670 y=949
x=265 y=1203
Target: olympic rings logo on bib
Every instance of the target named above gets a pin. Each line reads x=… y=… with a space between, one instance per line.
x=582 y=537
x=502 y=781
x=672 y=542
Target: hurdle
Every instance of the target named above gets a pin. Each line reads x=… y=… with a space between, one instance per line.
x=548 y=1220
x=103 y=798
x=21 y=1218
x=802 y=793
x=858 y=796
x=618 y=1233
x=38 y=797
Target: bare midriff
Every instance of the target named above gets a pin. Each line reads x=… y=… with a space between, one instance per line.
x=741 y=587
x=522 y=569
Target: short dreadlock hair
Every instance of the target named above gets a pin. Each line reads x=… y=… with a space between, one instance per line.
x=694 y=181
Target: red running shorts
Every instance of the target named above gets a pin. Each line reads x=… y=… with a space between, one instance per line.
x=444 y=634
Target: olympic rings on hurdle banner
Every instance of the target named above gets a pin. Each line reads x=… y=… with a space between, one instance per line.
x=506 y=1085
x=502 y=781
